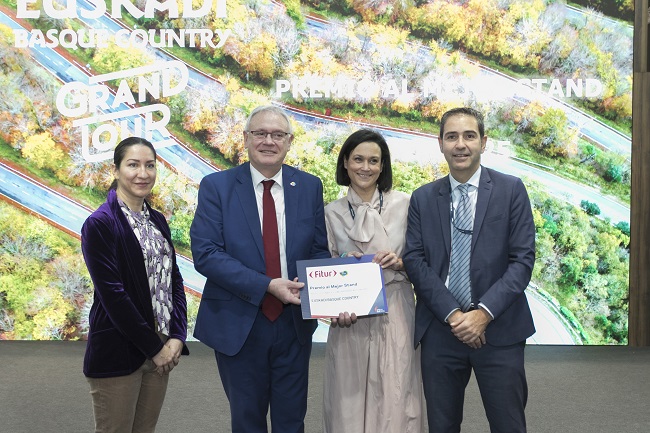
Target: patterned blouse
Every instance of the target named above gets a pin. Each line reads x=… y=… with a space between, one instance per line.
x=158 y=261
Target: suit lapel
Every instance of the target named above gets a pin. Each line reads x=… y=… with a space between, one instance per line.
x=246 y=194
x=292 y=189
x=482 y=201
x=444 y=208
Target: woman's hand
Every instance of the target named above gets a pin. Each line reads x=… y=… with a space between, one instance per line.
x=164 y=360
x=388 y=260
x=345 y=320
x=169 y=356
x=176 y=347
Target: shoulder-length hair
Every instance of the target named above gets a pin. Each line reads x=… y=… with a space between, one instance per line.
x=385 y=179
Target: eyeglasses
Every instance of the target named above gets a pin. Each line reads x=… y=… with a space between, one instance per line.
x=452 y=215
x=275 y=135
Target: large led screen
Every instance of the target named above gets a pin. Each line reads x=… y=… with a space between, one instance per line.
x=77 y=76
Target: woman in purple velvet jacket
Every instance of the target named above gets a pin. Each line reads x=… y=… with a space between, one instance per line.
x=138 y=320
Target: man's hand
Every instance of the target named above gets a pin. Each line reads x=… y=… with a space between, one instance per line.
x=287 y=291
x=470 y=327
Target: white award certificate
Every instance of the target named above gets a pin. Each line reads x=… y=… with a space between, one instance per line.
x=336 y=285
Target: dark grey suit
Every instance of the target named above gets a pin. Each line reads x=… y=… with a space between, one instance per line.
x=502 y=259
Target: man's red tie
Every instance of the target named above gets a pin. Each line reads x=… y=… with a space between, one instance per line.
x=271 y=306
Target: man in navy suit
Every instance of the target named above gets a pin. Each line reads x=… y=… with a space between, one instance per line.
x=486 y=330
x=262 y=362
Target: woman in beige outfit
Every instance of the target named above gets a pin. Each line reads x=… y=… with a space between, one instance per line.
x=372 y=374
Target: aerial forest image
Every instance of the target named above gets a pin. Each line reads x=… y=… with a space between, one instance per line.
x=553 y=78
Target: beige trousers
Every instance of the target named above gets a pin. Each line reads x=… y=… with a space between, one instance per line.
x=128 y=404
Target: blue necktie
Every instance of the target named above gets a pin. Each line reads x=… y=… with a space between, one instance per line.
x=461 y=243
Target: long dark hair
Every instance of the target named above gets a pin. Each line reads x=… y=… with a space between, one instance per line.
x=385 y=179
x=122 y=147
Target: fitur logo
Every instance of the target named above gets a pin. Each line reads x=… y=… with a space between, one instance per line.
x=322 y=273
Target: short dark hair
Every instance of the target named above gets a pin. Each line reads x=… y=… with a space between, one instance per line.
x=385 y=179
x=122 y=147
x=463 y=110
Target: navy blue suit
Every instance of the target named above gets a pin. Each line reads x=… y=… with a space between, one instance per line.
x=227 y=248
x=502 y=259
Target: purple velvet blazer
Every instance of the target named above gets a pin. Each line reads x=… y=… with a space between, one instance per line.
x=122 y=326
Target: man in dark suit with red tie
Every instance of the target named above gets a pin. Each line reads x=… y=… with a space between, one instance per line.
x=470 y=251
x=252 y=223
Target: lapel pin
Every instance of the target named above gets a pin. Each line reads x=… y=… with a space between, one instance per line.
x=293 y=184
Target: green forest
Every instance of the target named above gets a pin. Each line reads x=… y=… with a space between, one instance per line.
x=582 y=259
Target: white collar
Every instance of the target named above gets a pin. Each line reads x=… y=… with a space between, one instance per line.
x=259 y=177
x=474 y=180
